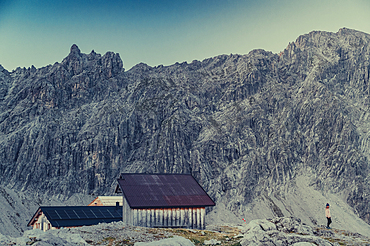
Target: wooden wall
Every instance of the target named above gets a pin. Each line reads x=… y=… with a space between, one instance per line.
x=96 y=202
x=126 y=213
x=42 y=223
x=164 y=217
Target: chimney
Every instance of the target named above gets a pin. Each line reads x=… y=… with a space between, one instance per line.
x=117 y=205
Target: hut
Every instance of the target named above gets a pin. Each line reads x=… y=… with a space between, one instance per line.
x=106 y=201
x=163 y=200
x=57 y=217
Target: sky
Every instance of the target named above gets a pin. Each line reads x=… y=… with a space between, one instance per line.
x=163 y=32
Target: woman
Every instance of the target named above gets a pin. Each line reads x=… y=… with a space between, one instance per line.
x=328 y=216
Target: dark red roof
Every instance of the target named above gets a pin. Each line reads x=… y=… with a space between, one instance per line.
x=163 y=190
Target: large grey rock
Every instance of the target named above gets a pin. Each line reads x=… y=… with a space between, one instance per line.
x=41 y=238
x=292 y=224
x=285 y=232
x=175 y=241
x=212 y=242
x=244 y=125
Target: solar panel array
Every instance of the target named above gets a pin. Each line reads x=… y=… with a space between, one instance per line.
x=81 y=215
x=163 y=190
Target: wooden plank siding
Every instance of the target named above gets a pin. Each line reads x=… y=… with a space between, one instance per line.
x=106 y=201
x=126 y=213
x=165 y=217
x=42 y=223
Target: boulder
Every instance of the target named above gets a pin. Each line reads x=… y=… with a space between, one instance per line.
x=175 y=241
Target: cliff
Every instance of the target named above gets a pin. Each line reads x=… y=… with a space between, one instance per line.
x=248 y=127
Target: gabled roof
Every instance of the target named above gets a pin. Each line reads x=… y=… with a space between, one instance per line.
x=162 y=191
x=69 y=216
x=106 y=201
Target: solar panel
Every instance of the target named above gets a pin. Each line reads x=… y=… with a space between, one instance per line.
x=88 y=213
x=92 y=212
x=55 y=223
x=71 y=214
x=65 y=216
x=105 y=213
x=59 y=215
x=117 y=212
x=52 y=214
x=75 y=214
x=81 y=214
x=110 y=213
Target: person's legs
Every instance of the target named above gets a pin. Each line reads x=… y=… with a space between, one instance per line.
x=329 y=222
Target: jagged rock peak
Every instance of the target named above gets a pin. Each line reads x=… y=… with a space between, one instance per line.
x=75 y=49
x=141 y=67
x=2 y=68
x=346 y=30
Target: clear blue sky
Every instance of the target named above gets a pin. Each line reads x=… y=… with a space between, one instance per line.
x=41 y=32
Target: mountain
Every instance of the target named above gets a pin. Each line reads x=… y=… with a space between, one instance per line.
x=265 y=134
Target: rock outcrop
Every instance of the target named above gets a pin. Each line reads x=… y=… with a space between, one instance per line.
x=246 y=126
x=291 y=231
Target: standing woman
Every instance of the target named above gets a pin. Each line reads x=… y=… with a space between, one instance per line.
x=328 y=216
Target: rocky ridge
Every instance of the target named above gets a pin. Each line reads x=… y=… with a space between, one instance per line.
x=245 y=126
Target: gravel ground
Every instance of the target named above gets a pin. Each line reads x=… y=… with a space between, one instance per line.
x=113 y=233
x=118 y=234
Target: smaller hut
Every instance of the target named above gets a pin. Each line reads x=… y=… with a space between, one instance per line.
x=47 y=218
x=163 y=200
x=107 y=201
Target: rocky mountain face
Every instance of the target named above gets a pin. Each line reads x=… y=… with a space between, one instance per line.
x=246 y=126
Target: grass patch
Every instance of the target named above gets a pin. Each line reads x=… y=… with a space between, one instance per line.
x=108 y=241
x=33 y=240
x=196 y=242
x=224 y=234
x=124 y=242
x=335 y=240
